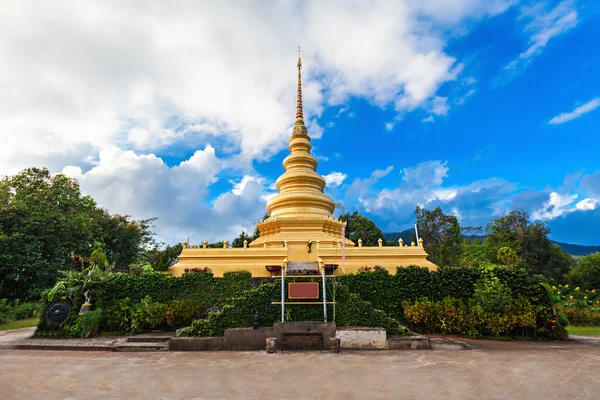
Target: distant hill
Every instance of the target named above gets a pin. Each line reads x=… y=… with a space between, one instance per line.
x=572 y=249
x=407 y=236
x=577 y=249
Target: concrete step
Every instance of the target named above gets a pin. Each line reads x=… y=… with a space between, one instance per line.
x=296 y=265
x=141 y=346
x=151 y=337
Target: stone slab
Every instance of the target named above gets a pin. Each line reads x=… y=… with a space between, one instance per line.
x=246 y=338
x=195 y=344
x=408 y=343
x=96 y=344
x=448 y=344
x=361 y=338
x=589 y=340
x=327 y=329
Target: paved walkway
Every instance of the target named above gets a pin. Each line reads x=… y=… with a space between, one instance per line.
x=522 y=370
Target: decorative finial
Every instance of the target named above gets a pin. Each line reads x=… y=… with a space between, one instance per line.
x=299 y=114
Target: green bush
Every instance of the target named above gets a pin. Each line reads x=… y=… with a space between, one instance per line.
x=24 y=310
x=4 y=310
x=88 y=324
x=175 y=301
x=455 y=316
x=148 y=315
x=117 y=316
x=492 y=296
x=388 y=292
x=180 y=313
x=351 y=310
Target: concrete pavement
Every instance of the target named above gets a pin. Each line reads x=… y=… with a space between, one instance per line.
x=492 y=370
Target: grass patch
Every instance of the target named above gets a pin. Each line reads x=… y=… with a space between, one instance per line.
x=18 y=324
x=584 y=330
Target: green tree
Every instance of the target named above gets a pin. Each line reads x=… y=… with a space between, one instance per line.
x=239 y=241
x=530 y=241
x=587 y=273
x=44 y=221
x=123 y=240
x=508 y=256
x=441 y=235
x=162 y=256
x=361 y=227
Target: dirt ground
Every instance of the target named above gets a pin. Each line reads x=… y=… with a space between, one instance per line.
x=492 y=371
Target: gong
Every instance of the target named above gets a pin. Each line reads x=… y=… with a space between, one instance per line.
x=57 y=312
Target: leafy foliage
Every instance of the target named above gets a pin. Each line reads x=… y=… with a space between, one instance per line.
x=136 y=303
x=530 y=241
x=493 y=288
x=578 y=306
x=350 y=311
x=441 y=235
x=45 y=222
x=508 y=256
x=587 y=273
x=162 y=256
x=457 y=316
x=361 y=227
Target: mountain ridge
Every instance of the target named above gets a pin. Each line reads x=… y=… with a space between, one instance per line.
x=571 y=248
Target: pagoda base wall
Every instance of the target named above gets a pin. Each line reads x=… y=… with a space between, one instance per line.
x=254 y=260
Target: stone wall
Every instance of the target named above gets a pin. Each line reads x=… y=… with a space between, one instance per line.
x=359 y=338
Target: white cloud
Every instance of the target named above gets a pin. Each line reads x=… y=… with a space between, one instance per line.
x=424 y=185
x=143 y=186
x=576 y=113
x=439 y=105
x=389 y=126
x=544 y=24
x=77 y=80
x=587 y=204
x=428 y=119
x=556 y=206
x=335 y=179
x=101 y=91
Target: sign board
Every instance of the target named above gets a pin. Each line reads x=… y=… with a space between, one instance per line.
x=303 y=290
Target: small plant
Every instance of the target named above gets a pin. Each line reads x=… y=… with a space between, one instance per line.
x=305 y=271
x=24 y=310
x=198 y=270
x=87 y=325
x=4 y=310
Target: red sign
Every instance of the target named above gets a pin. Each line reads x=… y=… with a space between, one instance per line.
x=303 y=290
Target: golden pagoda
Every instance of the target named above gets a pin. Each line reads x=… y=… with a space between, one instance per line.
x=301 y=231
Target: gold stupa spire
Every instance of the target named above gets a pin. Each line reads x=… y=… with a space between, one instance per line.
x=299 y=116
x=299 y=127
x=300 y=187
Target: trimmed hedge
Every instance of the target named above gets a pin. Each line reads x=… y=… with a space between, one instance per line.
x=420 y=286
x=387 y=292
x=136 y=303
x=202 y=288
x=350 y=310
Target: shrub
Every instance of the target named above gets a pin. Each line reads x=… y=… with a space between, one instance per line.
x=492 y=296
x=117 y=316
x=4 y=310
x=148 y=315
x=587 y=273
x=180 y=313
x=24 y=310
x=88 y=324
x=455 y=316
x=351 y=310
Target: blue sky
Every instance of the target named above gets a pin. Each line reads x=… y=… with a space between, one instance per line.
x=182 y=111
